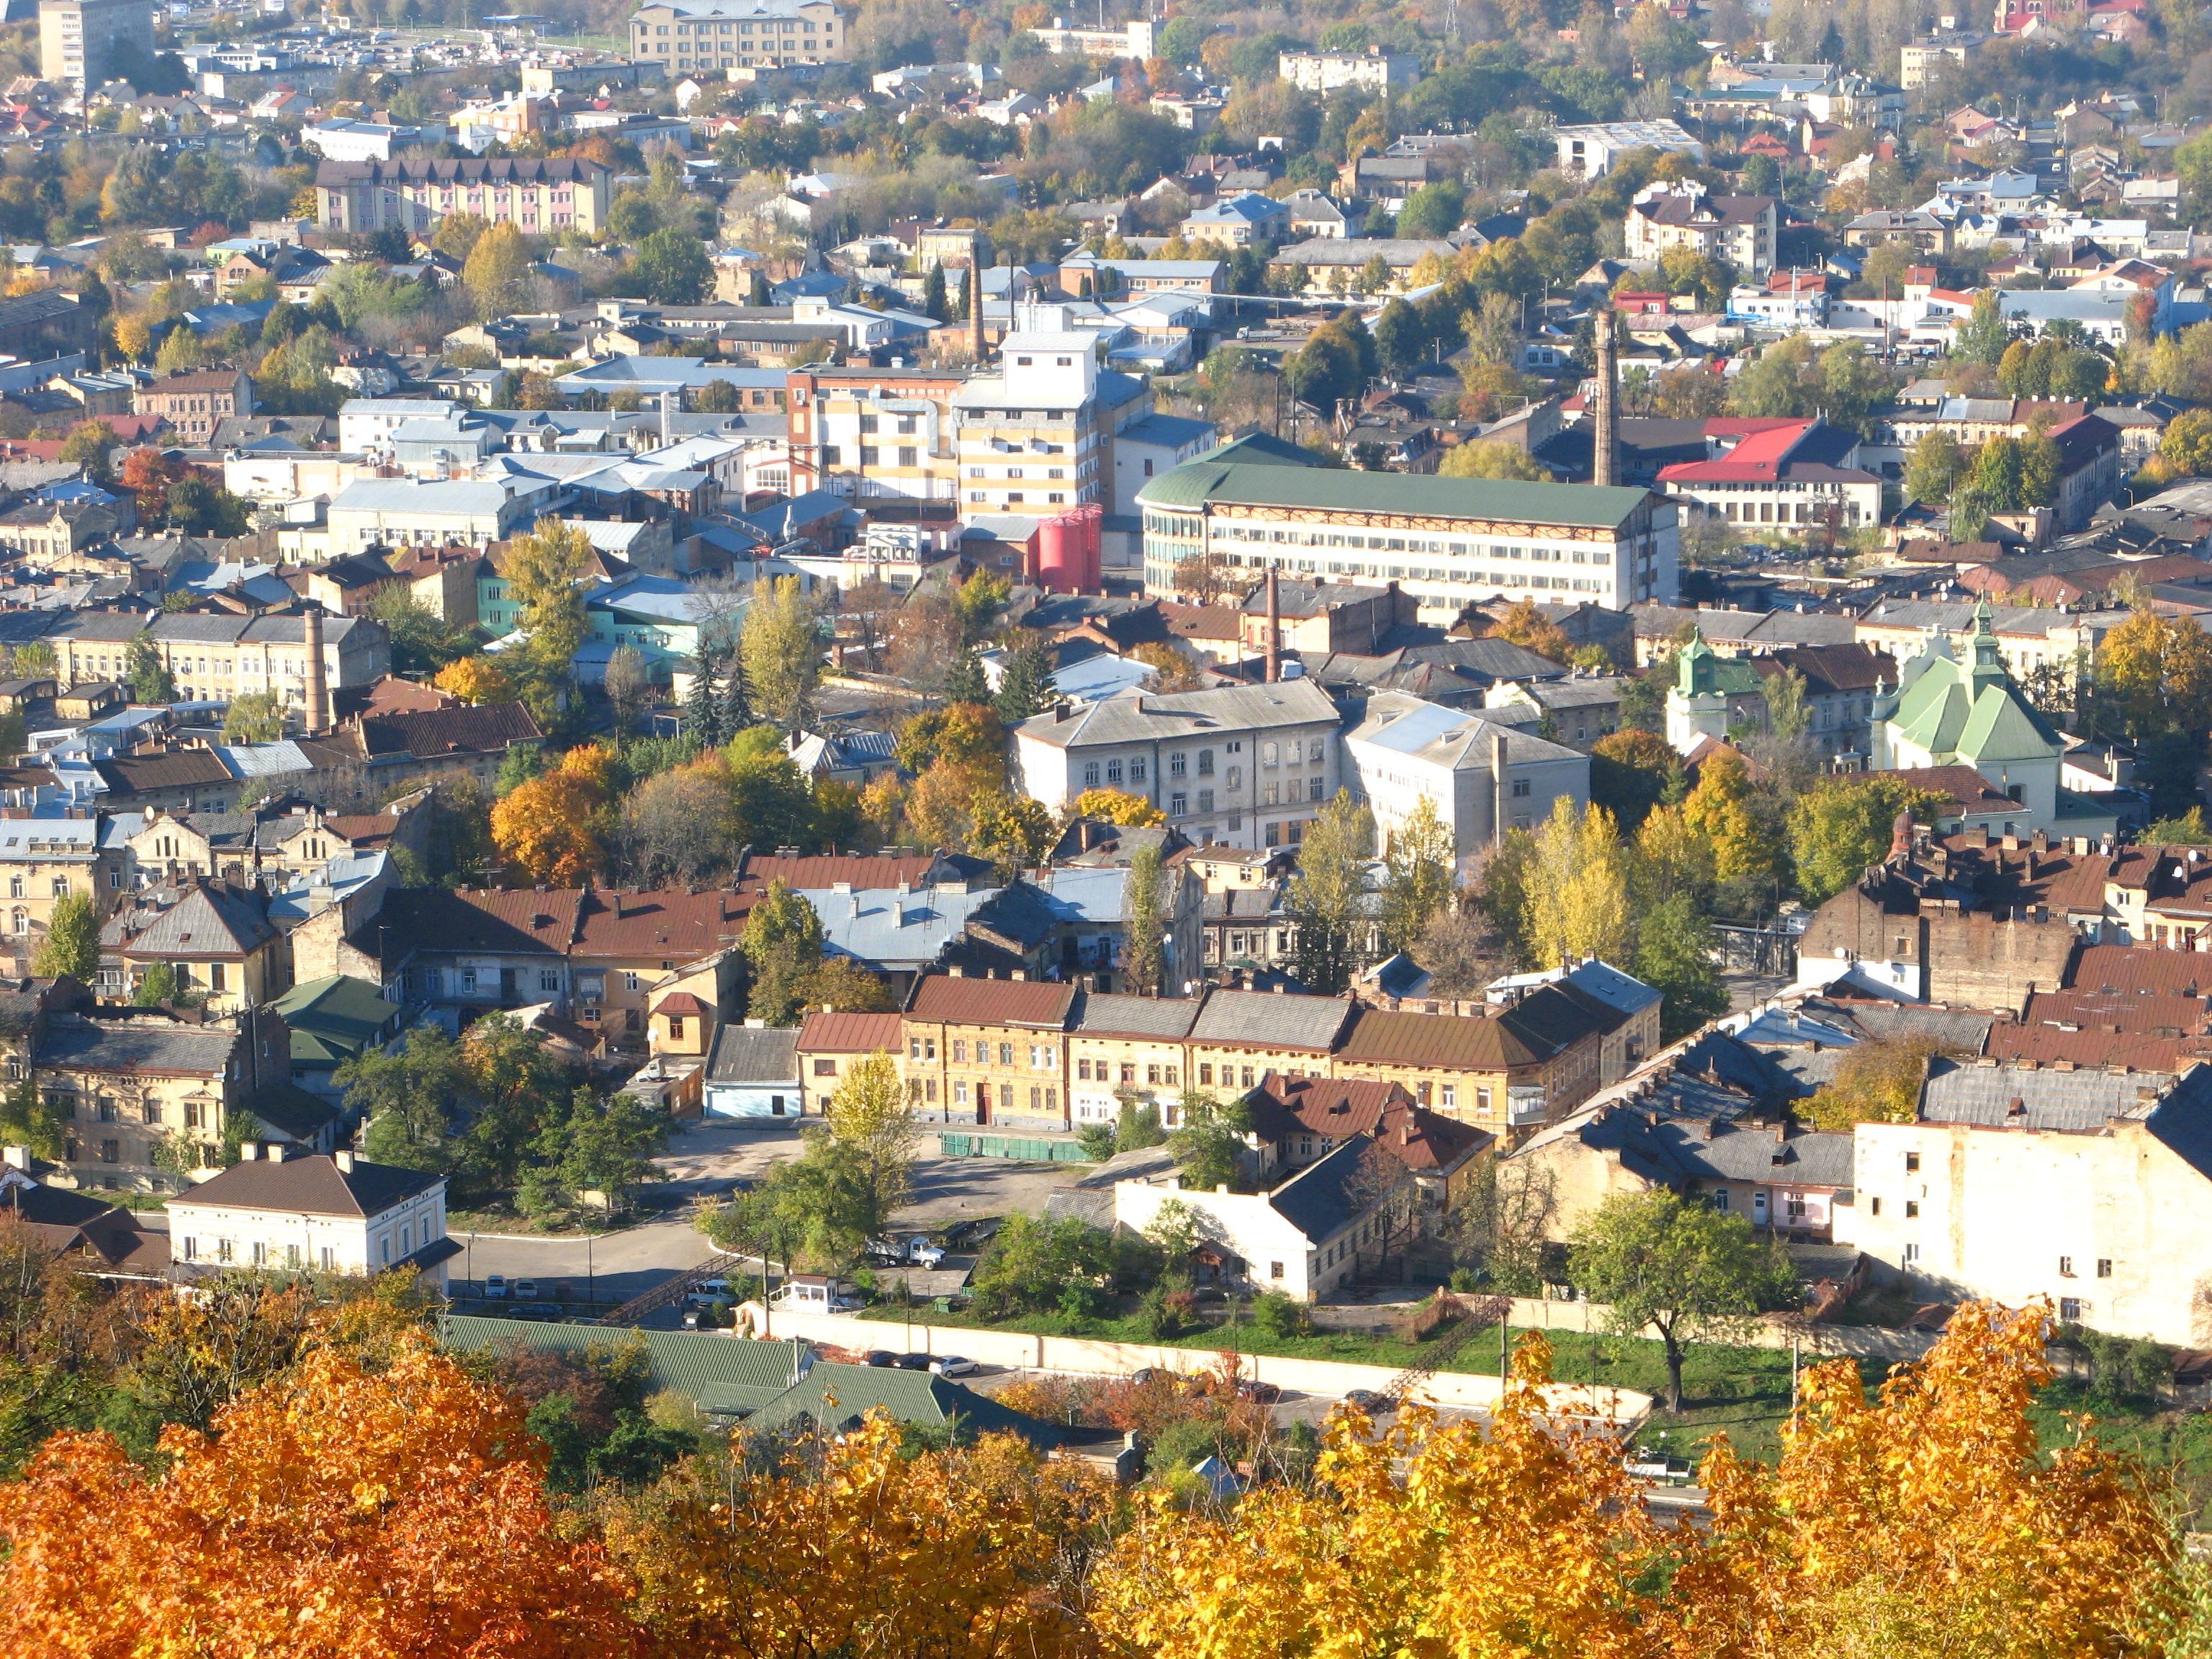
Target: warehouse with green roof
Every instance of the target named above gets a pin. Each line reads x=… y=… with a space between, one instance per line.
x=1449 y=542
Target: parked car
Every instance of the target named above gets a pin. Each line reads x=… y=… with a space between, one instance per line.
x=526 y=1289
x=1263 y=1393
x=914 y=1362
x=495 y=1285
x=1368 y=1400
x=708 y=1291
x=881 y=1358
x=951 y=1364
x=1145 y=1376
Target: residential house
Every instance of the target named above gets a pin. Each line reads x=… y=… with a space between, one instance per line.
x=1240 y=1037
x=1740 y=231
x=753 y=1074
x=1297 y=1121
x=333 y=1020
x=277 y=1210
x=194 y=403
x=215 y=937
x=44 y=860
x=1482 y=776
x=1507 y=1069
x=988 y=1050
x=1128 y=1051
x=831 y=1044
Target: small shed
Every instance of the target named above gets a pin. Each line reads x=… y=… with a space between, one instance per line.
x=753 y=1074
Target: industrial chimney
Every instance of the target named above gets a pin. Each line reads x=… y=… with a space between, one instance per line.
x=316 y=687
x=1605 y=421
x=667 y=419
x=1274 y=629
x=976 y=304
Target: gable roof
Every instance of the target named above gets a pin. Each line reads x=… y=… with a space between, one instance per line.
x=1269 y=1019
x=832 y=1033
x=749 y=1054
x=955 y=998
x=720 y=1375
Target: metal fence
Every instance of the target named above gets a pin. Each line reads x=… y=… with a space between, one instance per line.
x=1029 y=1149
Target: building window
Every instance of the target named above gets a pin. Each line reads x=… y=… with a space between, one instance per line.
x=676 y=1028
x=1177 y=764
x=960 y=1051
x=1912 y=1162
x=1090 y=774
x=1205 y=1073
x=548 y=980
x=2066 y=1267
x=2070 y=1309
x=1521 y=789
x=825 y=1068
x=2104 y=1266
x=1911 y=1209
x=1873 y=1207
x=1206 y=763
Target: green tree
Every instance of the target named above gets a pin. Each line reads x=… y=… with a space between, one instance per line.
x=1208 y=1141
x=782 y=941
x=422 y=642
x=144 y=672
x=674 y=268
x=868 y=1115
x=1932 y=467
x=1655 y=1261
x=1675 y=952
x=1327 y=898
x=1842 y=826
x=1142 y=957
x=253 y=717
x=818 y=1207
x=604 y=1144
x=1400 y=339
x=71 y=946
x=782 y=654
x=513 y=1080
x=545 y=571
x=1025 y=684
x=408 y=1097
x=1418 y=876
x=156 y=986
x=28 y=1119
x=1983 y=337
x=933 y=302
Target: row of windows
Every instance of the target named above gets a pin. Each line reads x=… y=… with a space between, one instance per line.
x=1042 y=1057
x=1169 y=1076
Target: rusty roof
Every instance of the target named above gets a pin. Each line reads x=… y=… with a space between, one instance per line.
x=850 y=1034
x=2095 y=1048
x=2141 y=969
x=532 y=922
x=871 y=871
x=963 y=1001
x=486 y=729
x=670 y=923
x=2157 y=1013
x=1548 y=1021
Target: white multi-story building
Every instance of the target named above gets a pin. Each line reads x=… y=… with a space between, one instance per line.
x=1133 y=40
x=1373 y=70
x=1483 y=778
x=1449 y=542
x=1240 y=766
x=1036 y=437
x=1587 y=152
x=2089 y=1186
x=279 y=1210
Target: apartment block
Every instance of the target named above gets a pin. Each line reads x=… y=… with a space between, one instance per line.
x=78 y=39
x=875 y=432
x=539 y=197
x=703 y=37
x=194 y=403
x=1036 y=437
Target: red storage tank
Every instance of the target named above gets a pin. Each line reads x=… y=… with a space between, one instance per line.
x=1094 y=570
x=1059 y=556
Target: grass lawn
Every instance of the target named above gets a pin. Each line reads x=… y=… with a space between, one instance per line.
x=569 y=1224
x=1743 y=1393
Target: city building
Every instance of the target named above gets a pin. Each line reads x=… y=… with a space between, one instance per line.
x=1450 y=543
x=1036 y=437
x=194 y=403
x=1127 y=1050
x=831 y=1044
x=1482 y=778
x=1589 y=152
x=988 y=1050
x=1239 y=766
x=280 y=1210
x=218 y=656
x=1738 y=230
x=869 y=433
x=43 y=859
x=539 y=197
x=1132 y=40
x=1787 y=478
x=688 y=37
x=1373 y=70
x=78 y=39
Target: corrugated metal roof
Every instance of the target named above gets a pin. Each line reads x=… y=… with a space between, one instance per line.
x=1486 y=499
x=721 y=1372
x=2081 y=1102
x=1266 y=1019
x=1165 y=1018
x=851 y=1033
x=963 y=1001
x=744 y=1053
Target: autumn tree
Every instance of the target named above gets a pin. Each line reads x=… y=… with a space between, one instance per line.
x=1118 y=807
x=1523 y=624
x=339 y=1510
x=2157 y=671
x=1658 y=1261
x=478 y=679
x=1631 y=773
x=868 y=1116
x=555 y=827
x=1746 y=850
x=1578 y=888
x=679 y=825
x=496 y=269
x=1173 y=670
x=545 y=571
x=1419 y=867
x=1328 y=896
x=1842 y=825
x=782 y=651
x=1876 y=1081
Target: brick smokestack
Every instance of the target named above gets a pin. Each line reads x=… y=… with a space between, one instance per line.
x=1274 y=629
x=1605 y=421
x=316 y=687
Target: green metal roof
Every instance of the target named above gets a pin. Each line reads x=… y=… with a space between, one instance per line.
x=333 y=1019
x=1260 y=449
x=1201 y=482
x=908 y=1396
x=723 y=1374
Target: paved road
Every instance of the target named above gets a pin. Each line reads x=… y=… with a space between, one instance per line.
x=614 y=1268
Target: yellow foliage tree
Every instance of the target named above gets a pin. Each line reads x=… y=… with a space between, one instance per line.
x=1118 y=807
x=335 y=1512
x=478 y=679
x=1721 y=810
x=1520 y=624
x=1578 y=888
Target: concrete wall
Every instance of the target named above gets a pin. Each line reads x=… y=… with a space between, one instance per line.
x=1083 y=1356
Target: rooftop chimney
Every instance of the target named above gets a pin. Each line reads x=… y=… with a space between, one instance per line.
x=316 y=688
x=344 y=1158
x=249 y=1152
x=1605 y=420
x=1274 y=629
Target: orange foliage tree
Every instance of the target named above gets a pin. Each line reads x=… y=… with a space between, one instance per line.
x=336 y=1512
x=478 y=679
x=555 y=827
x=861 y=1549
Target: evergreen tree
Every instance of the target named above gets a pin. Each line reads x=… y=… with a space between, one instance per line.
x=737 y=697
x=702 y=714
x=757 y=294
x=932 y=295
x=1027 y=688
x=966 y=684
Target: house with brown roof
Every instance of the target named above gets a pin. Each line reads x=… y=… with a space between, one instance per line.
x=829 y=1043
x=1506 y=1070
x=195 y=404
x=1297 y=1121
x=279 y=1210
x=988 y=1050
x=92 y=1235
